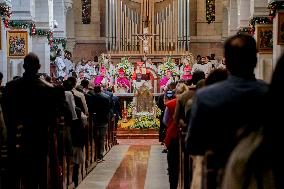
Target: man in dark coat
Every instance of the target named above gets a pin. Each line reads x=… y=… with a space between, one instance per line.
x=29 y=111
x=101 y=109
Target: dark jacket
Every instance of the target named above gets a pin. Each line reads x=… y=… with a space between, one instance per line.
x=29 y=107
x=101 y=108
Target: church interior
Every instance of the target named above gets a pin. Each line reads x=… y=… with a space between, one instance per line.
x=115 y=93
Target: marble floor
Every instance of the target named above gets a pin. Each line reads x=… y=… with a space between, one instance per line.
x=133 y=164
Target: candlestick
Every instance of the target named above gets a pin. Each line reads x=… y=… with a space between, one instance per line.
x=124 y=104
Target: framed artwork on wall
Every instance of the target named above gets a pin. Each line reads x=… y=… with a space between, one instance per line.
x=17 y=44
x=280 y=35
x=264 y=38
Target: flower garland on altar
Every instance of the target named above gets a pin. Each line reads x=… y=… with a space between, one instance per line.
x=144 y=120
x=168 y=65
x=210 y=11
x=126 y=65
x=273 y=6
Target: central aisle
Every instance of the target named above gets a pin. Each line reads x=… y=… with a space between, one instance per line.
x=130 y=166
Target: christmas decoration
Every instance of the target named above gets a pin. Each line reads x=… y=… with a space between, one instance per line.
x=210 y=11
x=86 y=11
x=258 y=20
x=61 y=41
x=248 y=30
x=5 y=11
x=18 y=24
x=273 y=6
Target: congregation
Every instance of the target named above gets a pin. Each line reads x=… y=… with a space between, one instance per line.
x=222 y=111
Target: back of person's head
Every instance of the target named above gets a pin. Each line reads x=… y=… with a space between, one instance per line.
x=73 y=81
x=180 y=88
x=240 y=55
x=31 y=63
x=85 y=83
x=171 y=86
x=197 y=76
x=97 y=89
x=188 y=82
x=216 y=76
x=67 y=85
x=1 y=76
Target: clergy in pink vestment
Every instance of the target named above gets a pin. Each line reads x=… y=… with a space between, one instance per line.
x=122 y=81
x=165 y=79
x=102 y=79
x=187 y=73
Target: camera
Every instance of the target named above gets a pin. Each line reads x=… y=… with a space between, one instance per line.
x=170 y=94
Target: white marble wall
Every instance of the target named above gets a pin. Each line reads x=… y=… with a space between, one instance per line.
x=42 y=49
x=3 y=54
x=244 y=13
x=44 y=20
x=233 y=17
x=23 y=10
x=60 y=17
x=277 y=49
x=258 y=8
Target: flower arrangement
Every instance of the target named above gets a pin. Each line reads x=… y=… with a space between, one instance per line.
x=126 y=65
x=145 y=122
x=168 y=65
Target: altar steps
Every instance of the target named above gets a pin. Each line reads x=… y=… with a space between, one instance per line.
x=137 y=134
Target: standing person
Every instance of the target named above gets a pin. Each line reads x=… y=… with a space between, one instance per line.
x=260 y=151
x=238 y=99
x=69 y=64
x=29 y=111
x=60 y=66
x=101 y=108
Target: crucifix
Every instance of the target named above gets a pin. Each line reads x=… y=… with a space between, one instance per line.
x=145 y=36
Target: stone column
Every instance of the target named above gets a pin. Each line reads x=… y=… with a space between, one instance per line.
x=277 y=48
x=258 y=8
x=244 y=13
x=59 y=15
x=44 y=20
x=233 y=18
x=70 y=26
x=3 y=53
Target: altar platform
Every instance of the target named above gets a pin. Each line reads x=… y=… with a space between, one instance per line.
x=124 y=132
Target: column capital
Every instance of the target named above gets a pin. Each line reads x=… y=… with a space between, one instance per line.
x=68 y=5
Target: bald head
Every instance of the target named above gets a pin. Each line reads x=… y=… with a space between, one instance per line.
x=31 y=63
x=240 y=55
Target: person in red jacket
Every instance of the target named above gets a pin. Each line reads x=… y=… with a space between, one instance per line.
x=171 y=140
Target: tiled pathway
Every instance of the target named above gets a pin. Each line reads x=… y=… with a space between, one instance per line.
x=130 y=166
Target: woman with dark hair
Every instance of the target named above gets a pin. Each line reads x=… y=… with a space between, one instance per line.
x=257 y=161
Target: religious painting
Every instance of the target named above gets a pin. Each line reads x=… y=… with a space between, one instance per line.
x=280 y=36
x=264 y=38
x=17 y=44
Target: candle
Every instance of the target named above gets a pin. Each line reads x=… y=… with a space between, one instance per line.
x=124 y=104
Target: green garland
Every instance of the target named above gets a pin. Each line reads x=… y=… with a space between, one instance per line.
x=273 y=6
x=210 y=11
x=5 y=11
x=62 y=41
x=259 y=20
x=248 y=30
x=22 y=25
